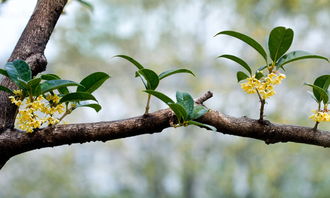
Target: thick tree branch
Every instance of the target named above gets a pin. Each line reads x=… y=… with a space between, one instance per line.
x=13 y=142
x=31 y=47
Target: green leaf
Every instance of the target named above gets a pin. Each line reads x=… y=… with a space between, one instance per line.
x=241 y=76
x=62 y=90
x=18 y=69
x=321 y=94
x=92 y=82
x=179 y=111
x=133 y=61
x=259 y=75
x=174 y=71
x=237 y=60
x=5 y=89
x=77 y=97
x=294 y=56
x=94 y=106
x=34 y=87
x=23 y=84
x=191 y=122
x=151 y=77
x=4 y=72
x=198 y=112
x=322 y=82
x=87 y=4
x=160 y=96
x=186 y=101
x=280 y=40
x=248 y=40
x=50 y=85
x=50 y=77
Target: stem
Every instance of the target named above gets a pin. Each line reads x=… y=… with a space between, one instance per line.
x=148 y=104
x=67 y=112
x=262 y=106
x=315 y=126
x=317 y=123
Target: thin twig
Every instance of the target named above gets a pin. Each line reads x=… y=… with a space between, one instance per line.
x=203 y=98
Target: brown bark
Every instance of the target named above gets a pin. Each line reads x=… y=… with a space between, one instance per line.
x=13 y=141
x=30 y=47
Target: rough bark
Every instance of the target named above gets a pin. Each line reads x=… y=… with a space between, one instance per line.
x=13 y=141
x=30 y=47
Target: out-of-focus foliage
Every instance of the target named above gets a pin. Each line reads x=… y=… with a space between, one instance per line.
x=184 y=162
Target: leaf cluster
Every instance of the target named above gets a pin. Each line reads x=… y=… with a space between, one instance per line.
x=185 y=109
x=20 y=73
x=150 y=78
x=279 y=42
x=321 y=89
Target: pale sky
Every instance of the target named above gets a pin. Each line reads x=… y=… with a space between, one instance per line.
x=13 y=17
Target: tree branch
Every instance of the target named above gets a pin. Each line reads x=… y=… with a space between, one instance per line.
x=13 y=141
x=30 y=47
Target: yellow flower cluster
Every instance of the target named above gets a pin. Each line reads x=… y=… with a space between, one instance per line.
x=320 y=116
x=34 y=113
x=263 y=86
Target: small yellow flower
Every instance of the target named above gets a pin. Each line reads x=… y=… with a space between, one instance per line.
x=320 y=116
x=264 y=86
x=33 y=114
x=52 y=120
x=18 y=92
x=54 y=98
x=15 y=101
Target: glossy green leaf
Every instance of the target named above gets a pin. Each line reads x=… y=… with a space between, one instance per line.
x=241 y=76
x=94 y=106
x=259 y=75
x=22 y=84
x=5 y=89
x=186 y=101
x=321 y=94
x=142 y=79
x=237 y=60
x=50 y=85
x=77 y=97
x=160 y=96
x=18 y=69
x=248 y=40
x=34 y=87
x=62 y=90
x=132 y=60
x=198 y=112
x=179 y=111
x=50 y=77
x=322 y=82
x=4 y=72
x=93 y=82
x=151 y=77
x=174 y=71
x=34 y=82
x=191 y=122
x=296 y=55
x=280 y=40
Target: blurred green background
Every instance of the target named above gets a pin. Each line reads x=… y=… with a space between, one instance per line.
x=184 y=162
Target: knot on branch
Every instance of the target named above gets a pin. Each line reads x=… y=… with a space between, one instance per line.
x=37 y=62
